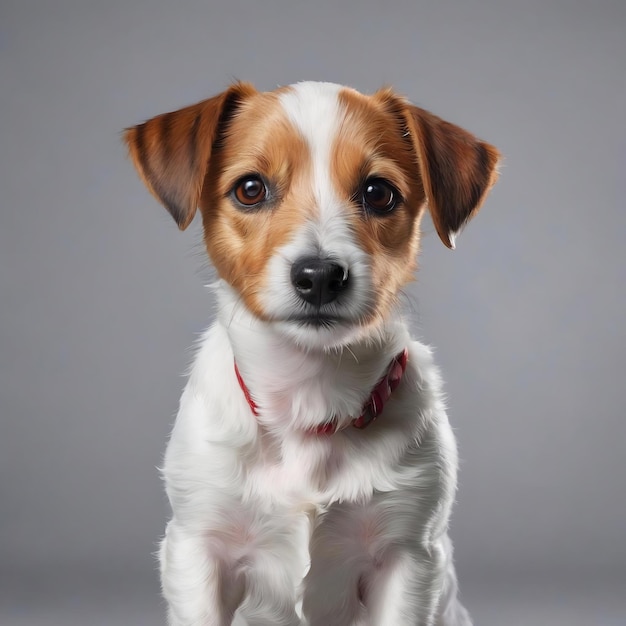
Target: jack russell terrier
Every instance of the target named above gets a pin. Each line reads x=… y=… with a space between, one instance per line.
x=311 y=469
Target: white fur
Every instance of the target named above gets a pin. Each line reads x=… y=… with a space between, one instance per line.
x=281 y=527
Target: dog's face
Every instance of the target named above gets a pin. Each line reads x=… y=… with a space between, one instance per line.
x=311 y=196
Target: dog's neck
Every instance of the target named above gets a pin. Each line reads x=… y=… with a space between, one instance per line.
x=301 y=387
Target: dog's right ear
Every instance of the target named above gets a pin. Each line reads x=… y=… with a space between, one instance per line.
x=171 y=151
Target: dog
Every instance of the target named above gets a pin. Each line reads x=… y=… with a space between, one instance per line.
x=311 y=468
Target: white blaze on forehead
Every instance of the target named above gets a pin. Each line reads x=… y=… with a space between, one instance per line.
x=315 y=111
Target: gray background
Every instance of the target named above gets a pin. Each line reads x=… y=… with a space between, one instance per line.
x=100 y=296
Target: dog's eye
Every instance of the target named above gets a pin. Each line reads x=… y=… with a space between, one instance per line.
x=379 y=196
x=250 y=190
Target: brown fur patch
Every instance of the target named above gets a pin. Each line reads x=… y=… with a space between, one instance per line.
x=259 y=140
x=370 y=143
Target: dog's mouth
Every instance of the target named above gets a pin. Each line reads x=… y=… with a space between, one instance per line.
x=317 y=320
x=326 y=318
x=320 y=329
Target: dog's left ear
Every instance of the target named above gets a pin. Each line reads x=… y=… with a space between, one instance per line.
x=171 y=151
x=456 y=168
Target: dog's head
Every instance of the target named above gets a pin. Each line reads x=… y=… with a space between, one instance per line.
x=311 y=196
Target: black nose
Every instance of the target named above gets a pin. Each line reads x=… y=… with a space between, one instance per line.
x=318 y=281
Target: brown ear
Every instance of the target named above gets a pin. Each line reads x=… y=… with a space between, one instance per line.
x=457 y=171
x=171 y=151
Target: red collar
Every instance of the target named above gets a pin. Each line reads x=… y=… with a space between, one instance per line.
x=371 y=409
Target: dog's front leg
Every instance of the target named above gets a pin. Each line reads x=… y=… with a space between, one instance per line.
x=200 y=588
x=376 y=563
x=206 y=581
x=399 y=586
x=416 y=582
x=405 y=588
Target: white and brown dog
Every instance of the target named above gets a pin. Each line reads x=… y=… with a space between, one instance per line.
x=311 y=469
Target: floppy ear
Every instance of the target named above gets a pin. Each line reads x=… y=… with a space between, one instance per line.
x=171 y=151
x=457 y=170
